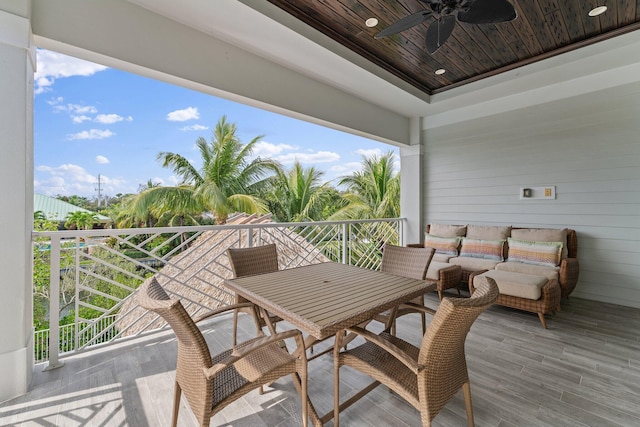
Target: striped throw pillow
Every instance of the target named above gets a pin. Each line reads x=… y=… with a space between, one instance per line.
x=487 y=249
x=538 y=253
x=442 y=245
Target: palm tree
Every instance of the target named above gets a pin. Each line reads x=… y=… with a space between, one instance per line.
x=81 y=220
x=166 y=206
x=298 y=195
x=227 y=181
x=373 y=192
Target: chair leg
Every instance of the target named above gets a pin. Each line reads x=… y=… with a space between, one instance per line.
x=466 y=389
x=440 y=294
x=542 y=320
x=424 y=322
x=176 y=404
x=458 y=289
x=235 y=327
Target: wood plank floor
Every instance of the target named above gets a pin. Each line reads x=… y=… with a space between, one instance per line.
x=582 y=371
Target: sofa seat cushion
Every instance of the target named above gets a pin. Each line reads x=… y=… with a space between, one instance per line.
x=550 y=273
x=519 y=285
x=433 y=272
x=442 y=258
x=474 y=264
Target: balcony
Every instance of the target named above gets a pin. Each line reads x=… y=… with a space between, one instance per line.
x=583 y=370
x=117 y=367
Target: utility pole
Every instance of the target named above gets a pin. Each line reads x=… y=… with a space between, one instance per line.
x=99 y=190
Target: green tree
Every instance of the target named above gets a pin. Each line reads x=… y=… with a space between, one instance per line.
x=167 y=206
x=81 y=220
x=41 y=270
x=228 y=180
x=79 y=201
x=373 y=192
x=298 y=194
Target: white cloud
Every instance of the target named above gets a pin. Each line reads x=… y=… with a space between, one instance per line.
x=194 y=127
x=111 y=118
x=189 y=113
x=102 y=160
x=80 y=119
x=53 y=65
x=345 y=168
x=91 y=134
x=312 y=158
x=72 y=109
x=268 y=150
x=71 y=179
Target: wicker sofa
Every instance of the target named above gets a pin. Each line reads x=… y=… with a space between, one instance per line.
x=534 y=267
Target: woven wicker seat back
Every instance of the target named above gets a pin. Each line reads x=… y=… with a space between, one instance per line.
x=405 y=261
x=249 y=262
x=442 y=349
x=208 y=388
x=254 y=260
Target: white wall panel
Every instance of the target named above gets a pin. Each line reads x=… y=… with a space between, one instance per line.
x=587 y=146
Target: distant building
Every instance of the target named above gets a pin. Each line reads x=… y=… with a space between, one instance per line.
x=57 y=210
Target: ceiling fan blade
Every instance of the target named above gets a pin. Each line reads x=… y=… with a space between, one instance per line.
x=404 y=24
x=438 y=32
x=488 y=12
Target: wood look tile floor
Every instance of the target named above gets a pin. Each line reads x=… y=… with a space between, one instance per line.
x=582 y=371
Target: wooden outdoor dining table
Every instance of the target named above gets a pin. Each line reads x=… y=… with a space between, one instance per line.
x=322 y=299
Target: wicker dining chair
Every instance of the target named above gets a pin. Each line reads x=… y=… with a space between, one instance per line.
x=210 y=384
x=407 y=262
x=248 y=262
x=426 y=377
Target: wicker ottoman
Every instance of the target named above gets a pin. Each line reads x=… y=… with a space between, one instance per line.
x=548 y=290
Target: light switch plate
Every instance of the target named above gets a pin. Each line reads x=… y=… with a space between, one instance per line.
x=538 y=193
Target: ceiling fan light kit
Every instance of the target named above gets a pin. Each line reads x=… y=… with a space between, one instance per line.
x=446 y=12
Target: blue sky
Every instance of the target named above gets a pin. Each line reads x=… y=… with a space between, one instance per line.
x=91 y=120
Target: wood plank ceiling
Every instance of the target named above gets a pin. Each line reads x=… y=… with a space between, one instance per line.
x=543 y=28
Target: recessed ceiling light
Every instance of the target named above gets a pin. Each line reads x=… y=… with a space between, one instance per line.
x=440 y=71
x=371 y=22
x=599 y=10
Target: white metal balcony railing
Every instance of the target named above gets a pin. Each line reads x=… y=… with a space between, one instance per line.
x=100 y=269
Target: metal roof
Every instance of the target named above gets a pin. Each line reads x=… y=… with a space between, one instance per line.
x=57 y=210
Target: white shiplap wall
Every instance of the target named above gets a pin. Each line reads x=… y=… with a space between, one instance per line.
x=587 y=146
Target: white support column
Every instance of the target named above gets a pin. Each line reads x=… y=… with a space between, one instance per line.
x=411 y=185
x=16 y=186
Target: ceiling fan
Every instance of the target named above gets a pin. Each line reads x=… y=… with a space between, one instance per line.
x=445 y=13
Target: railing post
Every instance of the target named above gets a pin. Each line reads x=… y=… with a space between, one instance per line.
x=54 y=305
x=249 y=237
x=76 y=322
x=400 y=231
x=345 y=242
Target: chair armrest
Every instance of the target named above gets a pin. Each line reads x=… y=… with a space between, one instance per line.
x=550 y=295
x=223 y=310
x=394 y=350
x=420 y=308
x=243 y=351
x=568 y=276
x=471 y=277
x=415 y=245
